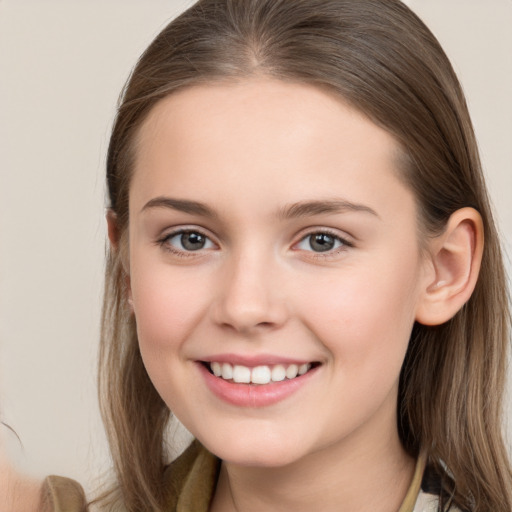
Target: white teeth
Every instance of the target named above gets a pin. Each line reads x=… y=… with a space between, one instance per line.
x=303 y=368
x=292 y=371
x=227 y=371
x=216 y=369
x=259 y=374
x=241 y=374
x=278 y=373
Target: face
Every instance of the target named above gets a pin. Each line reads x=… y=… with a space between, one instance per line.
x=275 y=269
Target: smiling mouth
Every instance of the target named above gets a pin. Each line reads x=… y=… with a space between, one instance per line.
x=261 y=375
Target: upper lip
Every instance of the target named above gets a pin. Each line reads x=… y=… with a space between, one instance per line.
x=252 y=360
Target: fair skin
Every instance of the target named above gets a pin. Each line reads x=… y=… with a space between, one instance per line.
x=17 y=492
x=269 y=228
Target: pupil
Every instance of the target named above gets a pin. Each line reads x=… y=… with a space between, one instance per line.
x=321 y=242
x=192 y=241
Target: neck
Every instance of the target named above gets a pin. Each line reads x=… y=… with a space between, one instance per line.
x=355 y=475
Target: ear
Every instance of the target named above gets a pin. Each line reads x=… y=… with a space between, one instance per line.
x=114 y=237
x=113 y=229
x=456 y=256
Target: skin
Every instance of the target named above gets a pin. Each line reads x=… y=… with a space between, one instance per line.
x=247 y=151
x=18 y=492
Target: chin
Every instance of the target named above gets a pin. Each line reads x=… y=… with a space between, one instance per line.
x=256 y=453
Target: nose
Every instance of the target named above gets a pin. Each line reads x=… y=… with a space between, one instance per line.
x=250 y=295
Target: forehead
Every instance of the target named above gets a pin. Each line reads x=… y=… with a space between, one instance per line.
x=261 y=135
x=297 y=109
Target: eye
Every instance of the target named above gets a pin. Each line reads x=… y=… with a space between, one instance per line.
x=188 y=241
x=321 y=242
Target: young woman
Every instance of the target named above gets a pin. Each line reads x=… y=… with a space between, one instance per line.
x=303 y=268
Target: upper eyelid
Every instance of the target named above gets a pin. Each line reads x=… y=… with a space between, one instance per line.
x=170 y=232
x=343 y=236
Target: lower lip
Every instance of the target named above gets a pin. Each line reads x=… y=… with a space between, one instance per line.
x=253 y=395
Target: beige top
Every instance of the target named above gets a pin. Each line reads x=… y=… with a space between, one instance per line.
x=63 y=495
x=192 y=478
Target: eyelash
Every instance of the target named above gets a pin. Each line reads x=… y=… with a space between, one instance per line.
x=164 y=242
x=344 y=244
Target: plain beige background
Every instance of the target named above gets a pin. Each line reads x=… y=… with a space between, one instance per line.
x=62 y=66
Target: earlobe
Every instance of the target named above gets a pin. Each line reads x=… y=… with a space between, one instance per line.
x=456 y=257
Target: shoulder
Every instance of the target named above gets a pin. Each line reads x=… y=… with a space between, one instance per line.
x=18 y=492
x=427 y=502
x=434 y=495
x=63 y=495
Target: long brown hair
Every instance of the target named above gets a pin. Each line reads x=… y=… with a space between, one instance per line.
x=380 y=58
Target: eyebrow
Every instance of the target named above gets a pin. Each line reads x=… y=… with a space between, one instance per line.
x=182 y=205
x=293 y=211
x=310 y=208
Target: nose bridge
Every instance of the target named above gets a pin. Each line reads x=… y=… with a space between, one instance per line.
x=249 y=295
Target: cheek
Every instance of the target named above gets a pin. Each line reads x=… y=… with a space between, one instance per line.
x=167 y=307
x=167 y=303
x=365 y=318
